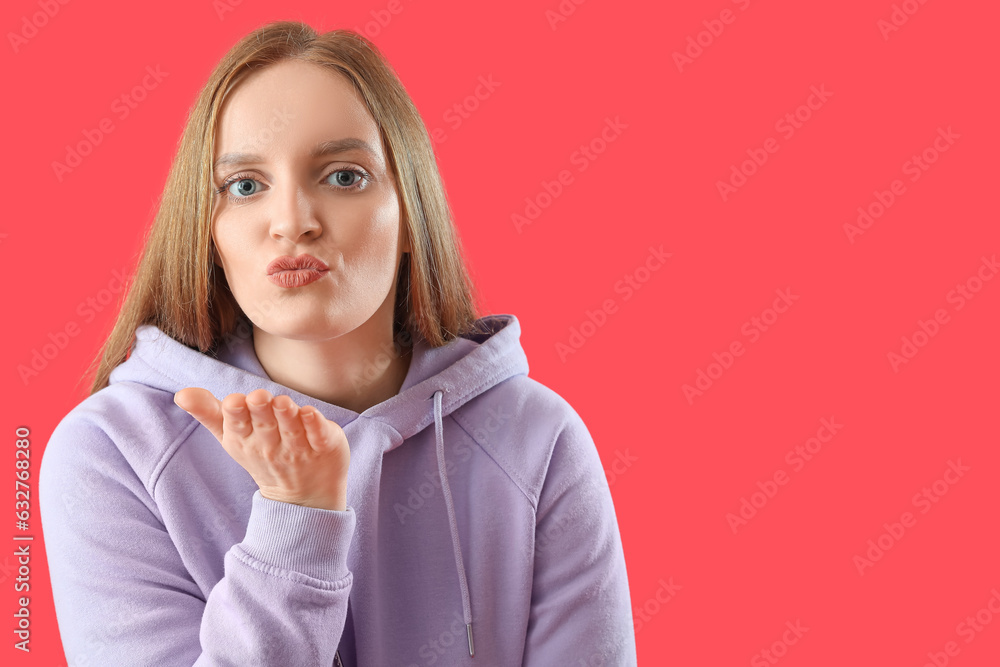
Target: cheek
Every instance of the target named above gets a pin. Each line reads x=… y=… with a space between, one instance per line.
x=218 y=243
x=230 y=254
x=385 y=223
x=221 y=254
x=216 y=257
x=378 y=235
x=384 y=247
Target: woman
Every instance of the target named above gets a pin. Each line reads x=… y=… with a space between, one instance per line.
x=391 y=488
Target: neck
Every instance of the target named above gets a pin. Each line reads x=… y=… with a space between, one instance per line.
x=356 y=370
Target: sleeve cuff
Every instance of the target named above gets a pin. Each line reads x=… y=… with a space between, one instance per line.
x=308 y=540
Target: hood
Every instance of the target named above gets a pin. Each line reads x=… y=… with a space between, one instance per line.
x=439 y=381
x=462 y=369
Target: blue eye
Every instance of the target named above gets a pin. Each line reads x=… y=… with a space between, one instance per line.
x=350 y=172
x=244 y=187
x=241 y=188
x=242 y=184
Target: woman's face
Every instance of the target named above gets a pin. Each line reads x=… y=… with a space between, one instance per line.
x=299 y=168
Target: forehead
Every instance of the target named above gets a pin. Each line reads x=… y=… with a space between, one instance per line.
x=292 y=105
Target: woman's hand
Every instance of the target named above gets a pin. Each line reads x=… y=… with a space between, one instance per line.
x=296 y=455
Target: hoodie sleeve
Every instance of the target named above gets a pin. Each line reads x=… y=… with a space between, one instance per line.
x=580 y=606
x=123 y=595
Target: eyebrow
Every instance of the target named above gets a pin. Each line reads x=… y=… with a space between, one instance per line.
x=321 y=149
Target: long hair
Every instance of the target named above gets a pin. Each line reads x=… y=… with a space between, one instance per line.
x=177 y=286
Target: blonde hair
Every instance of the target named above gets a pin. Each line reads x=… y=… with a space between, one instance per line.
x=177 y=286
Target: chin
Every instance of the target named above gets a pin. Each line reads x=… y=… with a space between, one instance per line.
x=307 y=328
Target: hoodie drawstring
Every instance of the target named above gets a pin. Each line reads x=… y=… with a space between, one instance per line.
x=439 y=435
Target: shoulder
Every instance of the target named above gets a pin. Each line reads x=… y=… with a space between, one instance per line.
x=125 y=431
x=526 y=428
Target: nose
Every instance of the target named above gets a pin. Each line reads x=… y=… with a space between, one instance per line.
x=293 y=213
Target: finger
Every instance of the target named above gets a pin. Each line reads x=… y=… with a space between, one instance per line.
x=263 y=422
x=203 y=406
x=236 y=417
x=316 y=430
x=290 y=427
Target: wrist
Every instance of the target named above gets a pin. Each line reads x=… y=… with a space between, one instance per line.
x=336 y=502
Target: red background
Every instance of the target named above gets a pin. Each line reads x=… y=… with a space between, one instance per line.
x=692 y=461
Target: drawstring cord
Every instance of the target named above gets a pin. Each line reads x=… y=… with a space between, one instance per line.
x=439 y=435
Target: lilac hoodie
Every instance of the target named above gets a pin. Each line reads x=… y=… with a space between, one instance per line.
x=478 y=521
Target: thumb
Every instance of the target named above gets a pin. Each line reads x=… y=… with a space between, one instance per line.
x=203 y=406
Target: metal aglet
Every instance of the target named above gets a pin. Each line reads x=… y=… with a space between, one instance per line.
x=472 y=648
